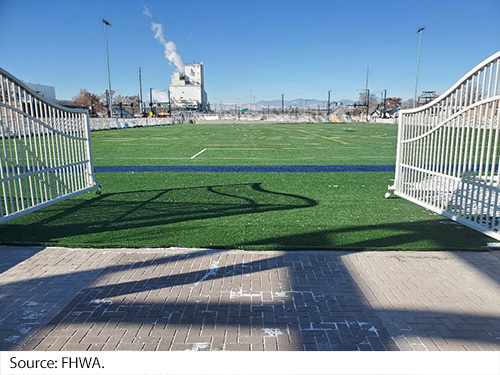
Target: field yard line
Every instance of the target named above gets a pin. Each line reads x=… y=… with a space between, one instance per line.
x=141 y=158
x=244 y=148
x=195 y=155
x=298 y=157
x=322 y=136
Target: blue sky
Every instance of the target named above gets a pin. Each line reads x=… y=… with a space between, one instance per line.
x=249 y=48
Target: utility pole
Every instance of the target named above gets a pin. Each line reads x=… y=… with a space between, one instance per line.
x=367 y=103
x=150 y=100
x=282 y=103
x=385 y=102
x=141 y=108
x=419 y=31
x=110 y=102
x=328 y=108
x=367 y=93
x=366 y=84
x=169 y=104
x=381 y=105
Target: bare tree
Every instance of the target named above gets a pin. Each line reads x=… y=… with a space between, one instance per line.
x=92 y=101
x=373 y=100
x=392 y=102
x=408 y=103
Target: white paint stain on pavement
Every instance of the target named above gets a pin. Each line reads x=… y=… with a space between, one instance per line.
x=198 y=346
x=272 y=332
x=239 y=293
x=214 y=265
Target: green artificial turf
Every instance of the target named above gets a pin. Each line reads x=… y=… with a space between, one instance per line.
x=243 y=210
x=248 y=144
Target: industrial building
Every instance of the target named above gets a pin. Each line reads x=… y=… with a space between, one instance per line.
x=187 y=91
x=46 y=92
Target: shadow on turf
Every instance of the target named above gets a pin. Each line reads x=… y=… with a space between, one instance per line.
x=143 y=210
x=425 y=235
x=113 y=217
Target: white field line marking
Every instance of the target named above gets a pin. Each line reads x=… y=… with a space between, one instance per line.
x=195 y=155
x=136 y=157
x=244 y=148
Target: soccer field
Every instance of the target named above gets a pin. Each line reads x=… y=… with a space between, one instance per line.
x=248 y=144
x=236 y=206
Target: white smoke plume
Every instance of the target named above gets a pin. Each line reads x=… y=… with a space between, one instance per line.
x=170 y=47
x=147 y=12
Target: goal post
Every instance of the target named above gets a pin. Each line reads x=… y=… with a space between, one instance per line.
x=448 y=151
x=45 y=150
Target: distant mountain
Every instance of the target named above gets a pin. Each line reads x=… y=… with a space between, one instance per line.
x=347 y=101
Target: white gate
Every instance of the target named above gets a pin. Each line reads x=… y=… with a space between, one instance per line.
x=45 y=151
x=448 y=151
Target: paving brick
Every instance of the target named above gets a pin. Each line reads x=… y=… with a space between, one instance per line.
x=128 y=346
x=181 y=299
x=237 y=347
x=111 y=343
x=402 y=343
x=164 y=344
x=74 y=347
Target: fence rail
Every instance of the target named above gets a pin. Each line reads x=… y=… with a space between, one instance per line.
x=448 y=151
x=45 y=151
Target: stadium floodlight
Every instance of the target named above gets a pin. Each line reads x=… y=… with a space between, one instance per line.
x=419 y=31
x=110 y=102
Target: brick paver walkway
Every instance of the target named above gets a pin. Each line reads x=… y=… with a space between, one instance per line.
x=179 y=299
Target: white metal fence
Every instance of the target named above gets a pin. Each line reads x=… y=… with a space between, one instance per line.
x=45 y=151
x=448 y=151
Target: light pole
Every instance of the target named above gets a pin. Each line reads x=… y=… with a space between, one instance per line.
x=367 y=101
x=110 y=102
x=141 y=110
x=419 y=31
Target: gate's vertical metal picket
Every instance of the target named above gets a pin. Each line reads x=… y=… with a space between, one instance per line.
x=447 y=157
x=45 y=151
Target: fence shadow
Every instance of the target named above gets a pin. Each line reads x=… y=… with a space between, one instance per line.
x=124 y=211
x=387 y=236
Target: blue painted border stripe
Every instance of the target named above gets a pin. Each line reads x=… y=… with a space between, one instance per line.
x=248 y=168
